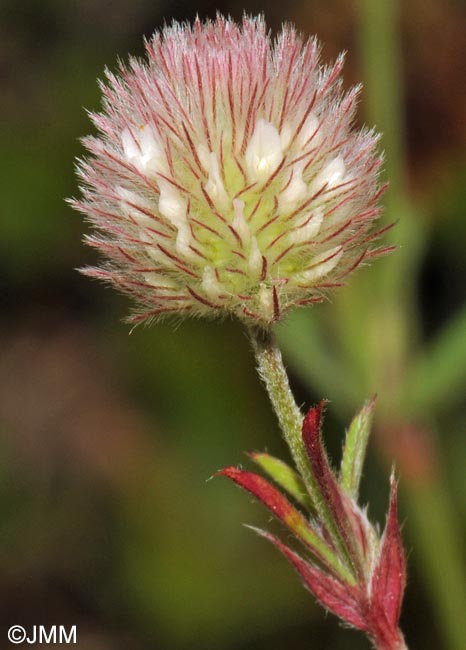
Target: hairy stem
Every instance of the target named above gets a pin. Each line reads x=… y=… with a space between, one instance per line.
x=272 y=372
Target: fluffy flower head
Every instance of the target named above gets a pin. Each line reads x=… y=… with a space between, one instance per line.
x=226 y=176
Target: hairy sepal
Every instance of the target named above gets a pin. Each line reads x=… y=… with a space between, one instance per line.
x=389 y=576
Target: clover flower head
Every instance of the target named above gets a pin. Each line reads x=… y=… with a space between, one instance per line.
x=227 y=177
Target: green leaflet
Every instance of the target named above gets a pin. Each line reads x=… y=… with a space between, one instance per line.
x=354 y=450
x=284 y=476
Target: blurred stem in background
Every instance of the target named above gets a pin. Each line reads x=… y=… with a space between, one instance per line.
x=430 y=517
x=375 y=341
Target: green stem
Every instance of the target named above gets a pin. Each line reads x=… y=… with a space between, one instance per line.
x=272 y=372
x=381 y=61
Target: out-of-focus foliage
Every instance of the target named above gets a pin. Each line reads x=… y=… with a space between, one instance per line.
x=107 y=518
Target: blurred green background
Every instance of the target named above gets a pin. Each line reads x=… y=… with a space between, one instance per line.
x=107 y=520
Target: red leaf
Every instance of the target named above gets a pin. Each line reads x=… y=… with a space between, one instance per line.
x=341 y=600
x=329 y=486
x=327 y=482
x=389 y=577
x=279 y=506
x=311 y=434
x=264 y=491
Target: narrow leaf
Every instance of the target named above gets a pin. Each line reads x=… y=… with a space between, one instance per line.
x=328 y=484
x=389 y=577
x=338 y=598
x=355 y=449
x=284 y=476
x=282 y=509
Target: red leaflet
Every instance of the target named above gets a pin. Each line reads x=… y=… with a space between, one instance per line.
x=341 y=600
x=278 y=505
x=389 y=578
x=323 y=473
x=319 y=461
x=264 y=491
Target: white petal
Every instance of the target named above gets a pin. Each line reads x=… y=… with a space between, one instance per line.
x=239 y=222
x=203 y=154
x=143 y=150
x=160 y=281
x=309 y=229
x=286 y=134
x=265 y=300
x=310 y=135
x=171 y=203
x=296 y=189
x=264 y=152
x=130 y=146
x=321 y=265
x=183 y=240
x=329 y=177
x=210 y=284
x=310 y=129
x=153 y=157
x=255 y=257
x=214 y=186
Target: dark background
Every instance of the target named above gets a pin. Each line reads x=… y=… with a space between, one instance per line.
x=107 y=520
